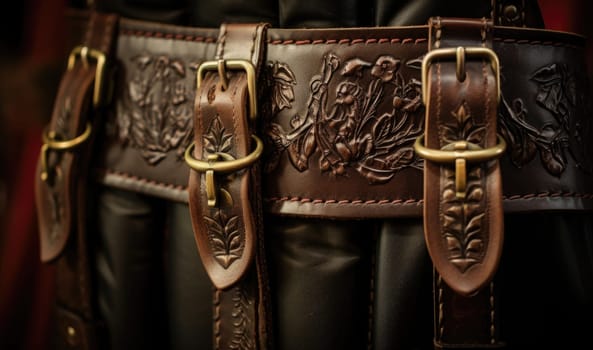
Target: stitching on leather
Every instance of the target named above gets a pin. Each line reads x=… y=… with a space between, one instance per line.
x=419 y=201
x=142 y=179
x=363 y=202
x=537 y=42
x=345 y=201
x=216 y=309
x=413 y=41
x=168 y=36
x=348 y=41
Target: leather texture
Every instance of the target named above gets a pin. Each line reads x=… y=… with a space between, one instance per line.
x=226 y=217
x=362 y=173
x=62 y=199
x=347 y=283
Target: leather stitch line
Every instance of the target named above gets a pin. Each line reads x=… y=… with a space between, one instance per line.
x=348 y=41
x=363 y=202
x=419 y=201
x=142 y=179
x=168 y=36
x=536 y=42
x=217 y=321
x=413 y=41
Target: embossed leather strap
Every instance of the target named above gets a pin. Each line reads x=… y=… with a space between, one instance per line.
x=463 y=198
x=226 y=205
x=61 y=179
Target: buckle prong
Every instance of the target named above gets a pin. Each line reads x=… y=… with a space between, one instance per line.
x=214 y=165
x=224 y=80
x=460 y=53
x=460 y=153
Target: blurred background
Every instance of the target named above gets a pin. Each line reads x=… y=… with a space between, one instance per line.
x=32 y=58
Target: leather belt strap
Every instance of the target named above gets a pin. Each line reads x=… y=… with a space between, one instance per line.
x=317 y=82
x=61 y=178
x=224 y=189
x=463 y=216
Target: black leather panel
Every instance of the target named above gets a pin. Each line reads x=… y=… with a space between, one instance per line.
x=320 y=282
x=129 y=267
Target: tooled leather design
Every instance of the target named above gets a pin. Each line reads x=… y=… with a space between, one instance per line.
x=349 y=130
x=225 y=237
x=557 y=94
x=242 y=301
x=56 y=198
x=241 y=321
x=155 y=113
x=349 y=133
x=462 y=218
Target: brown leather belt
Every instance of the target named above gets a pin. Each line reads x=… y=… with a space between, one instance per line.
x=346 y=115
x=340 y=115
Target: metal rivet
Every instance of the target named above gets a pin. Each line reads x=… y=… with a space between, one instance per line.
x=510 y=12
x=72 y=335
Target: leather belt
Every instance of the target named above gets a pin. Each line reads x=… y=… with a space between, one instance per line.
x=340 y=115
x=61 y=180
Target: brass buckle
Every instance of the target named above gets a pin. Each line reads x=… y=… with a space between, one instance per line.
x=214 y=165
x=51 y=143
x=460 y=53
x=85 y=53
x=221 y=66
x=460 y=153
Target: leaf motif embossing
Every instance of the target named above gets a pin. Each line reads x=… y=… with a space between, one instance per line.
x=155 y=112
x=226 y=241
x=352 y=129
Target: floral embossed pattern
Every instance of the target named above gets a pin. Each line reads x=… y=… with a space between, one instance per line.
x=556 y=140
x=156 y=113
x=347 y=128
x=462 y=218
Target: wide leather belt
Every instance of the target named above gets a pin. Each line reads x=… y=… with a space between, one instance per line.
x=341 y=113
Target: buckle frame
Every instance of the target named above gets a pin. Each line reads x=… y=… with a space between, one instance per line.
x=84 y=52
x=214 y=165
x=221 y=66
x=50 y=143
x=460 y=153
x=460 y=54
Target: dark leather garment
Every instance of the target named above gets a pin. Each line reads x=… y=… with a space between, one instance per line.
x=345 y=255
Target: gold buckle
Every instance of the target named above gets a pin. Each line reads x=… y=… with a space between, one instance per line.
x=221 y=66
x=50 y=142
x=85 y=53
x=460 y=53
x=213 y=165
x=460 y=153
